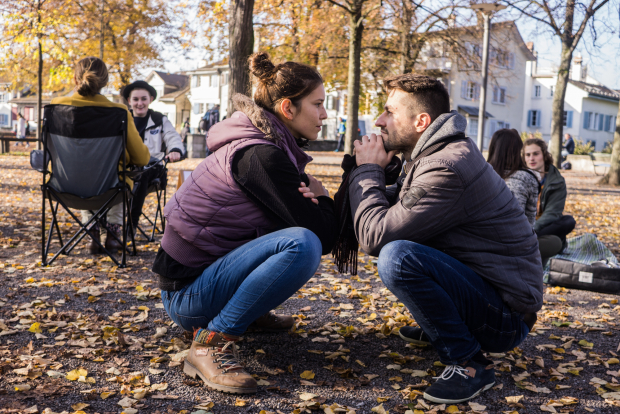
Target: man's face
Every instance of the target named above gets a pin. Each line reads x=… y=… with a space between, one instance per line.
x=566 y=137
x=139 y=100
x=397 y=123
x=534 y=158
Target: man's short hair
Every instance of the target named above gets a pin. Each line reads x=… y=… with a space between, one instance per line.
x=428 y=94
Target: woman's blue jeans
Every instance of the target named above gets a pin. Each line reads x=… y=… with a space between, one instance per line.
x=459 y=311
x=246 y=283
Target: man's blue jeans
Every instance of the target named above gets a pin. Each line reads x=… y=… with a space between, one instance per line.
x=459 y=311
x=246 y=283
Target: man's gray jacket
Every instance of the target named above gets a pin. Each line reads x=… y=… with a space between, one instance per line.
x=454 y=202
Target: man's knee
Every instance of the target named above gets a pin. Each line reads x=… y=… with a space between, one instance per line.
x=306 y=241
x=390 y=263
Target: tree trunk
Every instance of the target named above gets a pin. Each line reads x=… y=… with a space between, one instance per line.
x=241 y=45
x=557 y=106
x=613 y=175
x=353 y=88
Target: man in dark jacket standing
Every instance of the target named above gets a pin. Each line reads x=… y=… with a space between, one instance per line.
x=453 y=244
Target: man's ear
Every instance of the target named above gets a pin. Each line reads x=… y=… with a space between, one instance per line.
x=422 y=121
x=287 y=109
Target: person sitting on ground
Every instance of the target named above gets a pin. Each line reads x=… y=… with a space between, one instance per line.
x=247 y=229
x=90 y=76
x=453 y=244
x=569 y=144
x=158 y=134
x=549 y=218
x=505 y=158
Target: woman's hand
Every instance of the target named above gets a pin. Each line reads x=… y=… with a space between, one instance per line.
x=173 y=156
x=315 y=189
x=306 y=192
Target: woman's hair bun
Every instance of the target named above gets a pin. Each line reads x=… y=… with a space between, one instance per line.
x=261 y=66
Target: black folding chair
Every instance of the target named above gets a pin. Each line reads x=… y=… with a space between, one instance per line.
x=84 y=146
x=157 y=186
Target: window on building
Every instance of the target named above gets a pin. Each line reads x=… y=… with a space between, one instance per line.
x=533 y=118
x=537 y=90
x=610 y=123
x=568 y=119
x=2 y=97
x=196 y=81
x=225 y=78
x=588 y=120
x=215 y=81
x=470 y=90
x=329 y=102
x=495 y=126
x=499 y=95
x=4 y=119
x=473 y=126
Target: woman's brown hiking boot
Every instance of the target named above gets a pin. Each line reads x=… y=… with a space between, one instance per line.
x=213 y=357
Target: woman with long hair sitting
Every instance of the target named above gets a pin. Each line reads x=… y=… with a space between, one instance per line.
x=90 y=76
x=247 y=229
x=505 y=158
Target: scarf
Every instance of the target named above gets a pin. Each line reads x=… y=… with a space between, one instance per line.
x=345 y=249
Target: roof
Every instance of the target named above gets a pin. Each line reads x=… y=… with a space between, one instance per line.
x=33 y=98
x=174 y=95
x=214 y=65
x=597 y=90
x=473 y=111
x=506 y=24
x=173 y=79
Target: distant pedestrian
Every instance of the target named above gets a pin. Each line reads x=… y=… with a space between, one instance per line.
x=342 y=129
x=569 y=144
x=185 y=131
x=20 y=131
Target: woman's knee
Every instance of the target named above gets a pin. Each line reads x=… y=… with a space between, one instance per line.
x=306 y=242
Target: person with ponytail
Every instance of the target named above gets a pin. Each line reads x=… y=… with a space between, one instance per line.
x=247 y=229
x=90 y=76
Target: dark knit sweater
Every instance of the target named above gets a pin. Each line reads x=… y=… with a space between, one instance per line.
x=269 y=178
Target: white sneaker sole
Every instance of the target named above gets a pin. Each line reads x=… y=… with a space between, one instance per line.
x=447 y=401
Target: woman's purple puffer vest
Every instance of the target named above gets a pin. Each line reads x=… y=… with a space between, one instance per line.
x=209 y=216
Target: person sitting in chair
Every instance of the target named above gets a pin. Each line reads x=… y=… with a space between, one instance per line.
x=158 y=134
x=90 y=76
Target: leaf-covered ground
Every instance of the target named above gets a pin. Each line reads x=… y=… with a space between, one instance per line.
x=85 y=336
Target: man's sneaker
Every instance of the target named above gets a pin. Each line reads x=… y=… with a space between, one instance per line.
x=271 y=322
x=213 y=357
x=414 y=335
x=459 y=383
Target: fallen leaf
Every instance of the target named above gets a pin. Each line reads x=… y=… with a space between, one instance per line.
x=307 y=375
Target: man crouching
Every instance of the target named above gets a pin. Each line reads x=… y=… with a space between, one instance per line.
x=453 y=244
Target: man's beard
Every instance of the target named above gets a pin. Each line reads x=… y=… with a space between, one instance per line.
x=399 y=141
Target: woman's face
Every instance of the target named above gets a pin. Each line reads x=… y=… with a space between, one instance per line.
x=534 y=158
x=308 y=115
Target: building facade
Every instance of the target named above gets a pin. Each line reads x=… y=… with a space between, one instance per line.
x=590 y=108
x=208 y=87
x=172 y=91
x=460 y=71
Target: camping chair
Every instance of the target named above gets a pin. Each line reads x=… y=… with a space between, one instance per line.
x=84 y=146
x=157 y=186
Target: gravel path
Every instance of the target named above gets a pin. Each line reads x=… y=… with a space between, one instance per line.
x=84 y=336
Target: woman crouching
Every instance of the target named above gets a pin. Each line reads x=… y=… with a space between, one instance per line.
x=248 y=228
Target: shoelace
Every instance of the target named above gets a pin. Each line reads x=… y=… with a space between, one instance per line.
x=451 y=370
x=227 y=356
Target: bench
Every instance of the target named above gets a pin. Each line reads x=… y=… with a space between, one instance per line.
x=6 y=139
x=596 y=163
